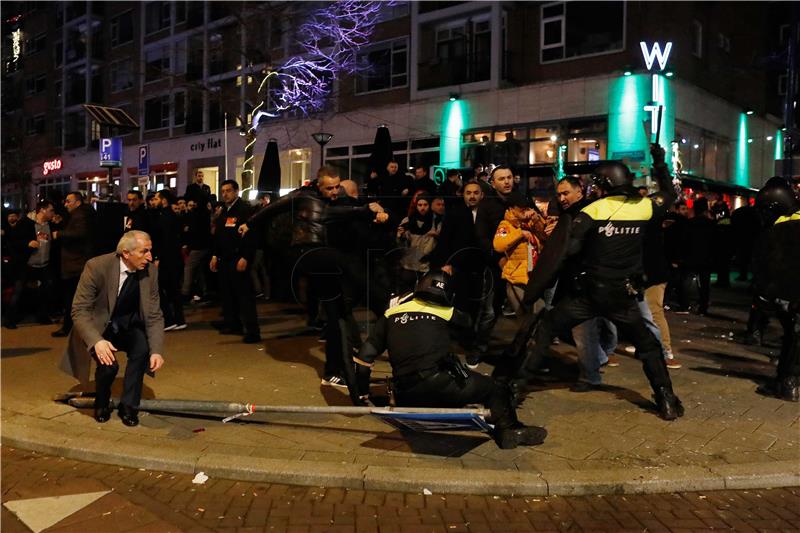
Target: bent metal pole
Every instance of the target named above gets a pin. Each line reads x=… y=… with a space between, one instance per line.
x=202 y=406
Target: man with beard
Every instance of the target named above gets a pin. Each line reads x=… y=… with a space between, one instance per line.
x=313 y=209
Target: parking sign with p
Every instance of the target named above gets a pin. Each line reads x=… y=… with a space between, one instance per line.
x=144 y=160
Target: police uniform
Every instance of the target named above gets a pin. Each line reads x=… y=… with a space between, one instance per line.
x=416 y=334
x=777 y=288
x=608 y=236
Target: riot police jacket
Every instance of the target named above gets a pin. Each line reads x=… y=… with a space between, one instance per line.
x=779 y=261
x=609 y=234
x=415 y=332
x=310 y=214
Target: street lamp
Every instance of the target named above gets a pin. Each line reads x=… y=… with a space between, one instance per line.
x=322 y=139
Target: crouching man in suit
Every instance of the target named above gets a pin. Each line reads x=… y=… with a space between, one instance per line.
x=116 y=308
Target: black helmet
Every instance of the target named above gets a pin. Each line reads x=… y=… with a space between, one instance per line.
x=777 y=198
x=435 y=287
x=613 y=177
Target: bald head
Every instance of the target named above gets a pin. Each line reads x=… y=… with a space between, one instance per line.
x=350 y=188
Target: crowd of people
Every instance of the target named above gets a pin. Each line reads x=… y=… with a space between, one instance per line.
x=601 y=256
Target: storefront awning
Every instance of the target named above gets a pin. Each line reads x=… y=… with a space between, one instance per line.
x=110 y=116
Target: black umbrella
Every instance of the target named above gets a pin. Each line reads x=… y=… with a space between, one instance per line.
x=269 y=178
x=381 y=151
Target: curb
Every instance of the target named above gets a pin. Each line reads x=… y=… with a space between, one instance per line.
x=34 y=434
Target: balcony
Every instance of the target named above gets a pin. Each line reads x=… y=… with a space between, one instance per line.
x=457 y=70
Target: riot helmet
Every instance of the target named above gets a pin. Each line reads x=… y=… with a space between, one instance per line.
x=435 y=287
x=614 y=178
x=777 y=198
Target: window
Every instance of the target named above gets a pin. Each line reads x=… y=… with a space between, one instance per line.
x=58 y=130
x=697 y=39
x=180 y=12
x=34 y=125
x=156 y=112
x=180 y=109
x=576 y=29
x=385 y=67
x=121 y=75
x=156 y=63
x=58 y=54
x=122 y=28
x=36 y=44
x=157 y=16
x=35 y=85
x=461 y=53
x=180 y=57
x=58 y=92
x=393 y=10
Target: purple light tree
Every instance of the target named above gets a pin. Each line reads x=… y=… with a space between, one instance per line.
x=331 y=38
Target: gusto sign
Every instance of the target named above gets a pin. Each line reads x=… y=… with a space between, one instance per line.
x=49 y=166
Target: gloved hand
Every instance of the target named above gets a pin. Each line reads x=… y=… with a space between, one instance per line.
x=657 y=153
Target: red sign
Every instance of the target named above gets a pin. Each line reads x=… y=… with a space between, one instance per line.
x=49 y=166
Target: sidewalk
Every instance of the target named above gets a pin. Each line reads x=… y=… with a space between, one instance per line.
x=599 y=442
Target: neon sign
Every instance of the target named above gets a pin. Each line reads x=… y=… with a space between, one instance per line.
x=655 y=53
x=16 y=44
x=49 y=166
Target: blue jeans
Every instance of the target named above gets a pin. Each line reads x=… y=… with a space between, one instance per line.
x=596 y=338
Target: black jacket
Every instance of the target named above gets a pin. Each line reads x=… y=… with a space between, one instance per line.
x=310 y=215
x=77 y=241
x=458 y=243
x=491 y=211
x=228 y=244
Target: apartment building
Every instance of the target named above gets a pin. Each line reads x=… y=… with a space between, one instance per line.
x=531 y=84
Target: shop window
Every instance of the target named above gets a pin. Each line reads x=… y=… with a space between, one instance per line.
x=385 y=67
x=122 y=29
x=156 y=63
x=121 y=73
x=156 y=112
x=575 y=29
x=157 y=16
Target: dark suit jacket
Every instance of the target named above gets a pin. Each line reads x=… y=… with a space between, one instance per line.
x=92 y=307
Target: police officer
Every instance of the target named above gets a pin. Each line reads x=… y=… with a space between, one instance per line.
x=777 y=288
x=608 y=236
x=416 y=333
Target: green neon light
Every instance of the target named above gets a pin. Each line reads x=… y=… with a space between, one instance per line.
x=454 y=120
x=778 y=145
x=741 y=174
x=562 y=155
x=664 y=96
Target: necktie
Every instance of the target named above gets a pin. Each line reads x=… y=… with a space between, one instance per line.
x=126 y=285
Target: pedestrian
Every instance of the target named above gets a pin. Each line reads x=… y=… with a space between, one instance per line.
x=167 y=254
x=116 y=309
x=608 y=235
x=232 y=258
x=520 y=248
x=77 y=247
x=698 y=257
x=416 y=334
x=776 y=283
x=417 y=235
x=197 y=239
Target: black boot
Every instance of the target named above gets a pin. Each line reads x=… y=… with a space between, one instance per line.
x=783 y=389
x=669 y=406
x=519 y=435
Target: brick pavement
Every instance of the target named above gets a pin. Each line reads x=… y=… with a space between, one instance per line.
x=152 y=501
x=600 y=442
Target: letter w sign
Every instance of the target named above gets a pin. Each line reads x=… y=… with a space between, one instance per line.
x=655 y=53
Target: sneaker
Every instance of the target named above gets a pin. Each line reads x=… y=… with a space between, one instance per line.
x=179 y=327
x=613 y=361
x=473 y=360
x=170 y=327
x=630 y=349
x=681 y=311
x=673 y=363
x=334 y=381
x=197 y=298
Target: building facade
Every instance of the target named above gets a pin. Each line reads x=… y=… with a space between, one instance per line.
x=457 y=84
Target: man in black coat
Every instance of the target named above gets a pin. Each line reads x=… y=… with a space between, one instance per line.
x=77 y=247
x=458 y=254
x=491 y=211
x=233 y=256
x=167 y=254
x=198 y=191
x=698 y=253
